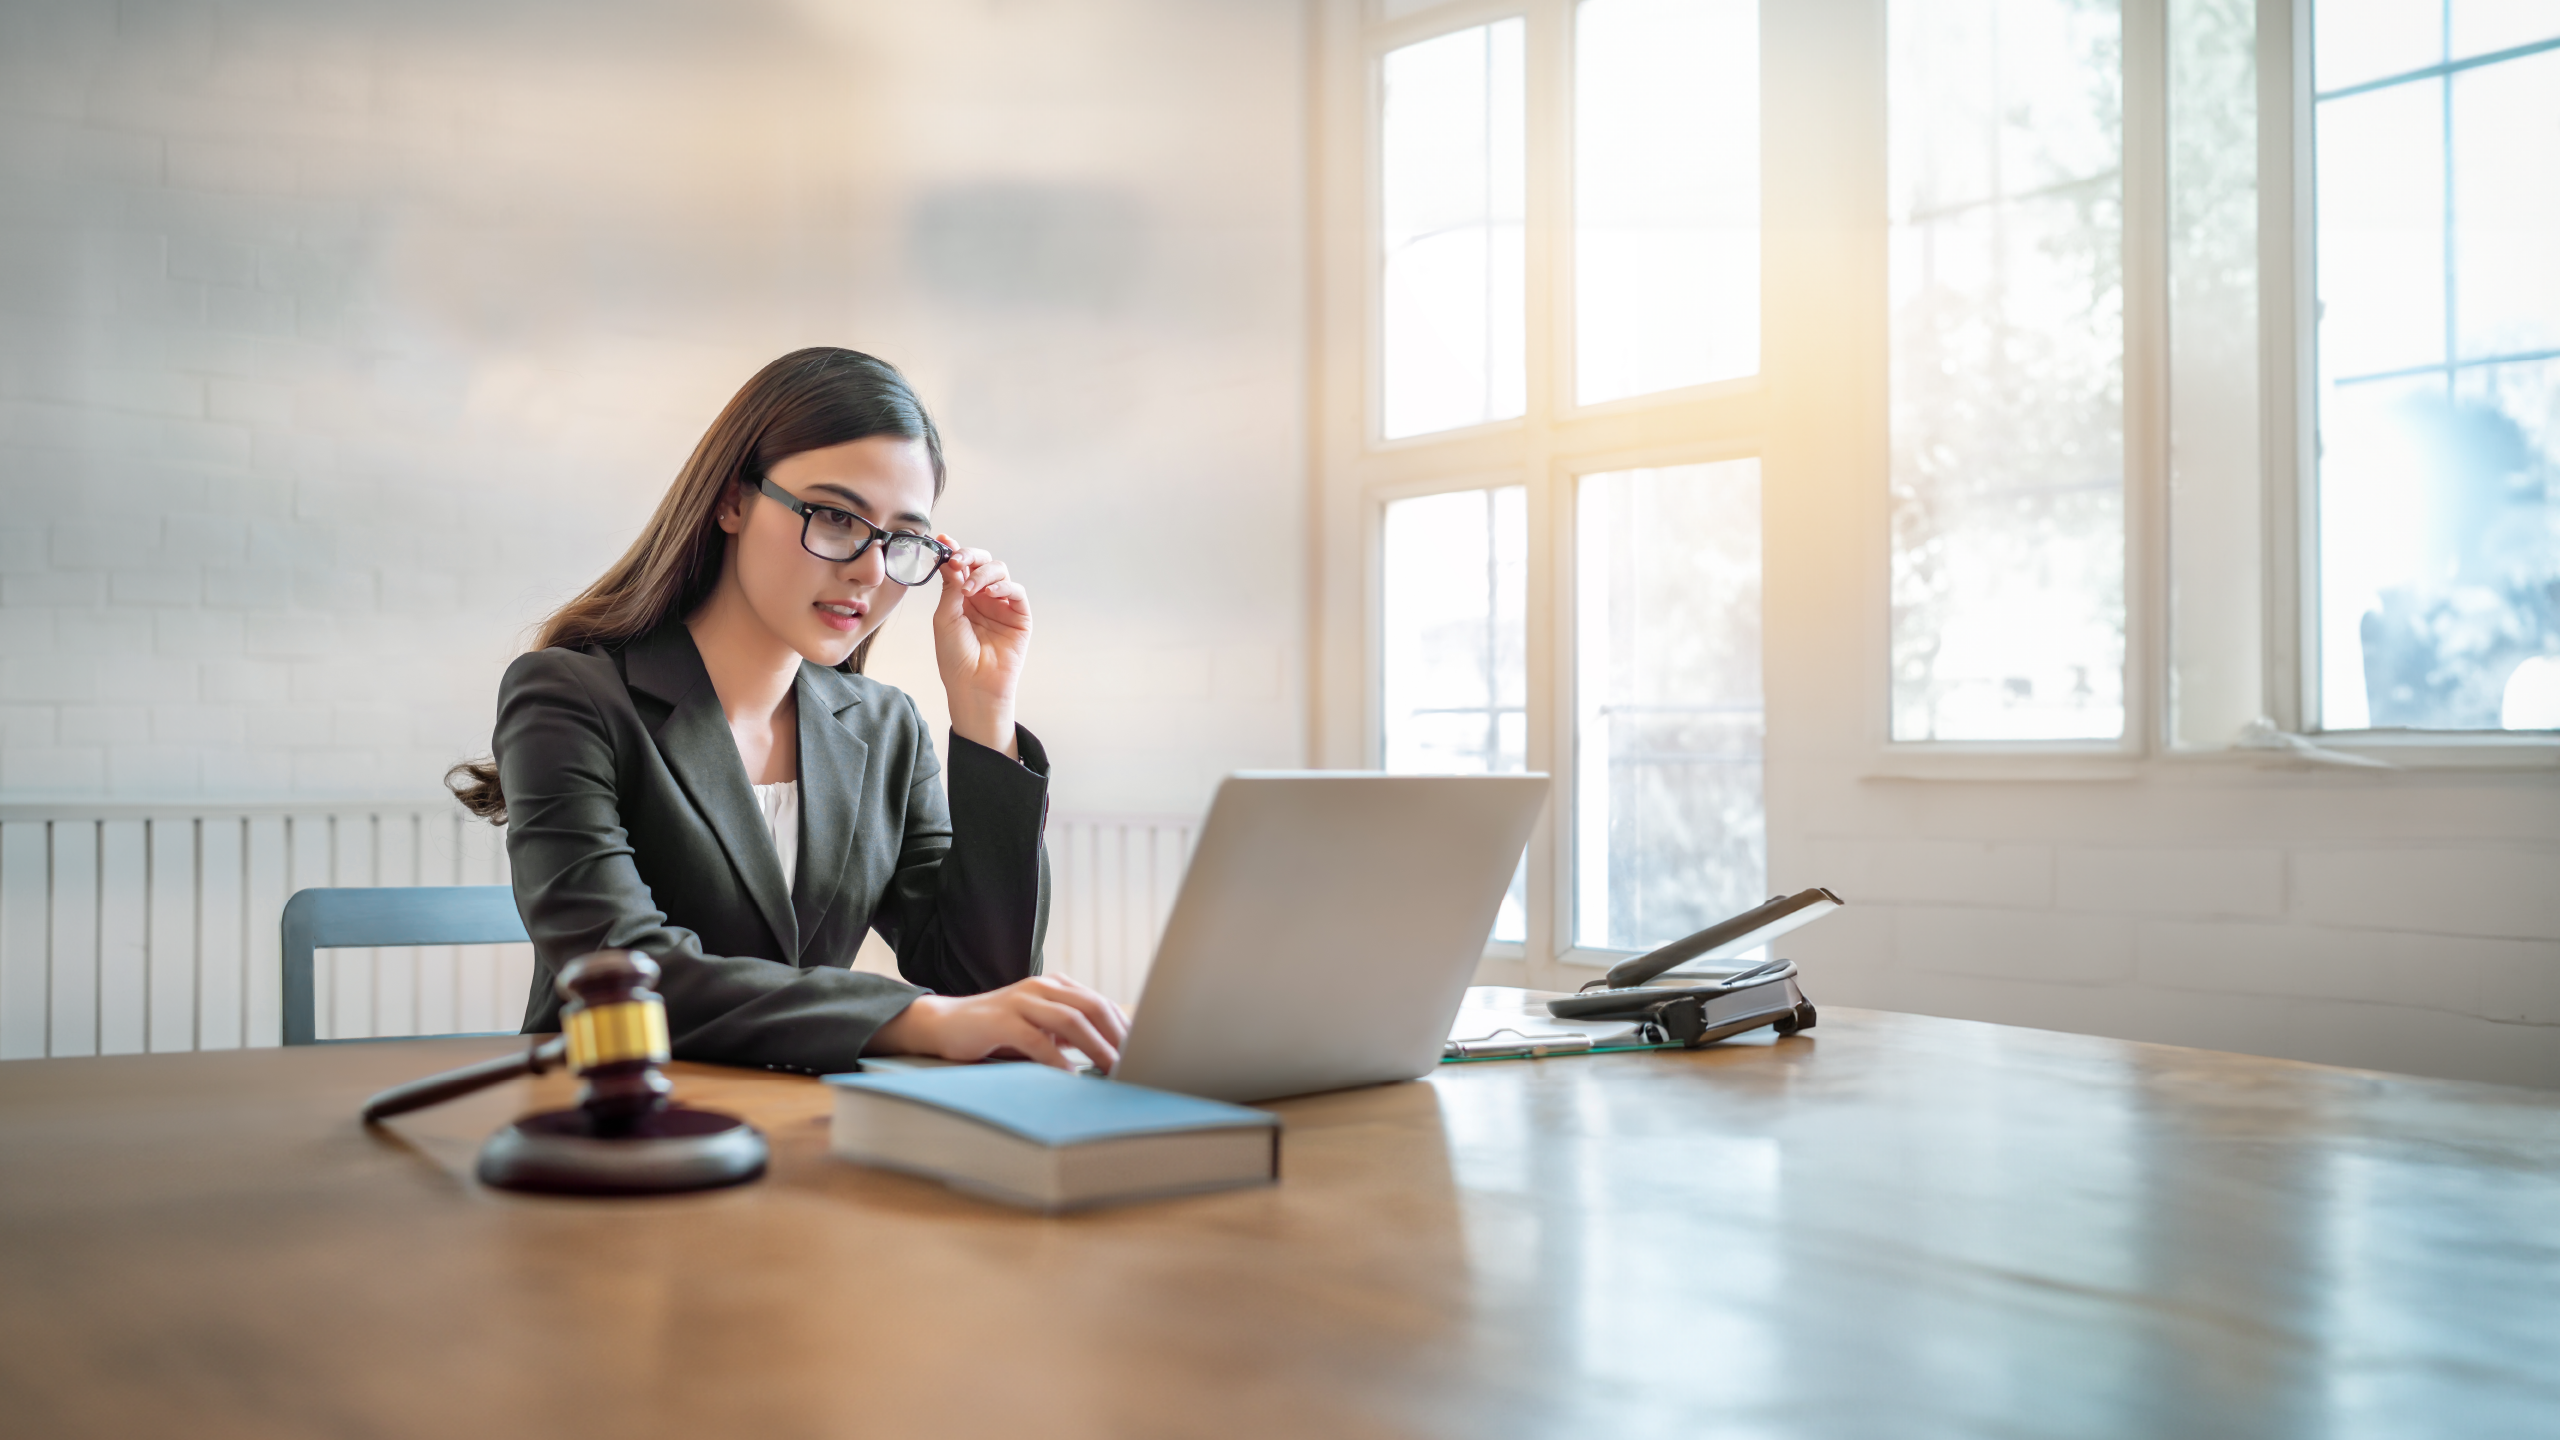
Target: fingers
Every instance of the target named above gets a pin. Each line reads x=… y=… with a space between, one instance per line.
x=1071 y=1025
x=1035 y=1018
x=1093 y=1004
x=971 y=569
x=1025 y=1035
x=1003 y=606
x=978 y=590
x=1097 y=1007
x=952 y=602
x=1064 y=1012
x=984 y=570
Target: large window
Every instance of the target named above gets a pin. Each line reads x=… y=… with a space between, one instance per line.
x=2007 y=180
x=1556 y=422
x=2436 y=130
x=2077 y=265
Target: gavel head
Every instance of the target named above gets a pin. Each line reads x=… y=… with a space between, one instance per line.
x=616 y=1027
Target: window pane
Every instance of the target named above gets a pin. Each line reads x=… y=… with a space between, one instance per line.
x=2483 y=26
x=2216 y=682
x=2506 y=205
x=2008 y=351
x=1453 y=188
x=2439 y=549
x=1669 y=834
x=2439 y=539
x=2381 y=203
x=1666 y=188
x=1456 y=681
x=2354 y=41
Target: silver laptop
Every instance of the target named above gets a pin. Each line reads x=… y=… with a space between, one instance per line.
x=1326 y=930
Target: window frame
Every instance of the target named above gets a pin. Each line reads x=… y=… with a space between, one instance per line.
x=2290 y=352
x=2143 y=247
x=2288 y=655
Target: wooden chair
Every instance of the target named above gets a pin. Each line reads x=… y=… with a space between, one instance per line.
x=414 y=915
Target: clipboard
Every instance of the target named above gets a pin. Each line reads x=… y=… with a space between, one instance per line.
x=1501 y=1022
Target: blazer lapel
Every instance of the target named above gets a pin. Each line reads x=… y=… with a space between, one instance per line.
x=832 y=762
x=699 y=749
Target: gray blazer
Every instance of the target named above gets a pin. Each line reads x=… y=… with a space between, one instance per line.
x=631 y=825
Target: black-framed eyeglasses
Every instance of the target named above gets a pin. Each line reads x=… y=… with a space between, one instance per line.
x=840 y=535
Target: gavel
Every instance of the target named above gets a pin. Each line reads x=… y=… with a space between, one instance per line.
x=625 y=1135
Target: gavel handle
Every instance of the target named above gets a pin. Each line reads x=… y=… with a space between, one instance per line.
x=436 y=1089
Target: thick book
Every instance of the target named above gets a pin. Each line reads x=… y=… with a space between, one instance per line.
x=1039 y=1137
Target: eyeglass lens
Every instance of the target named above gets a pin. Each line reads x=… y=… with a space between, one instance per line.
x=910 y=559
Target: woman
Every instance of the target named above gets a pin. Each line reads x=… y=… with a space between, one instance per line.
x=691 y=763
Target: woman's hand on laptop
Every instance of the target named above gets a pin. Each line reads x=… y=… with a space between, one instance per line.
x=1034 y=1019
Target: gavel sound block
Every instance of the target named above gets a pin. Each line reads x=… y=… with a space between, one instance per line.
x=624 y=1137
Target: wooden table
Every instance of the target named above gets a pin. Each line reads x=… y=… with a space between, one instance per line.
x=1892 y=1226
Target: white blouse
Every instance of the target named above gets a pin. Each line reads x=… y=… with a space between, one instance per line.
x=781 y=807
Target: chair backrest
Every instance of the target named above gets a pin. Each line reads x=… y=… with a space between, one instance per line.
x=412 y=915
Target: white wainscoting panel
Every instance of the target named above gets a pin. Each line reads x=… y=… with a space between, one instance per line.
x=1112 y=882
x=131 y=928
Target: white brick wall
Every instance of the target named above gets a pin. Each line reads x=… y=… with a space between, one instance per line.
x=340 y=343
x=2437 y=891
x=337 y=344
x=2013 y=944
x=2206 y=881
x=2441 y=959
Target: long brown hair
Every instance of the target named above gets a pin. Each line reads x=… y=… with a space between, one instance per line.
x=807 y=400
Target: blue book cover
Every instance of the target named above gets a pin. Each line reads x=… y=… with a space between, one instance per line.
x=1048 y=1106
